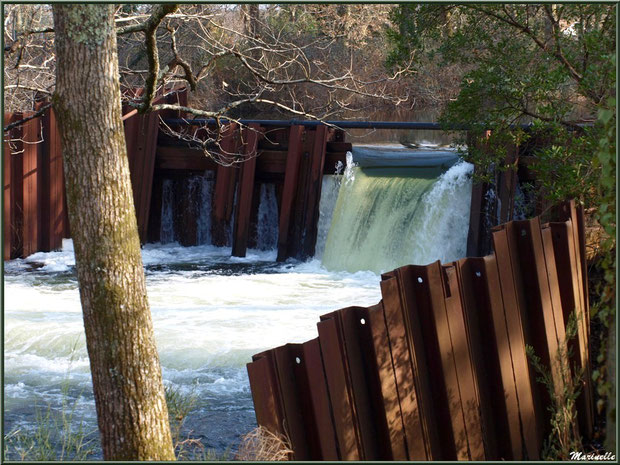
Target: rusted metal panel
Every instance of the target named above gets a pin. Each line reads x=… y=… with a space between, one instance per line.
x=544 y=330
x=287 y=372
x=421 y=420
x=532 y=418
x=13 y=192
x=182 y=158
x=302 y=232
x=141 y=140
x=31 y=184
x=429 y=298
x=323 y=444
x=569 y=211
x=224 y=192
x=271 y=162
x=460 y=338
x=314 y=191
x=343 y=407
x=244 y=192
x=569 y=287
x=54 y=189
x=266 y=392
x=291 y=175
x=363 y=383
x=366 y=379
x=489 y=339
x=393 y=417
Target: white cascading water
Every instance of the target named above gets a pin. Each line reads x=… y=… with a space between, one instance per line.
x=166 y=231
x=385 y=217
x=329 y=193
x=212 y=312
x=267 y=227
x=204 y=208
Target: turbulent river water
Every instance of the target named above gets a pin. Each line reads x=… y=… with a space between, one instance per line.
x=212 y=312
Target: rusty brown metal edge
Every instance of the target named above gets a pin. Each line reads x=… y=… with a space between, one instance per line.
x=486 y=326
x=293 y=161
x=532 y=422
x=411 y=365
x=463 y=354
x=343 y=405
x=245 y=190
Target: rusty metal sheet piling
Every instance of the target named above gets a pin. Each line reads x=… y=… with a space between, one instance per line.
x=411 y=366
x=223 y=195
x=570 y=289
x=31 y=186
x=141 y=132
x=384 y=365
x=484 y=312
x=531 y=416
x=439 y=369
x=323 y=445
x=245 y=189
x=339 y=386
x=293 y=160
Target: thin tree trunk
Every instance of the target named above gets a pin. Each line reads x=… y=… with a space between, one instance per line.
x=127 y=383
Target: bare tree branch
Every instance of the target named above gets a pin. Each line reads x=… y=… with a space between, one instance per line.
x=36 y=114
x=150 y=29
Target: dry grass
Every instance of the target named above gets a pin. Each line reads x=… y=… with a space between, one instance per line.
x=261 y=444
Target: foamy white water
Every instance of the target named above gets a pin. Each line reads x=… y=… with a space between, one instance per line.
x=211 y=313
x=388 y=217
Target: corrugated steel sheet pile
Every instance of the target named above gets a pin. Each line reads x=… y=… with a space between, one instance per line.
x=438 y=370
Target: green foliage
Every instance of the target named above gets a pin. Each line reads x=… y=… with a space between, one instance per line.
x=56 y=436
x=552 y=66
x=604 y=310
x=547 y=65
x=564 y=437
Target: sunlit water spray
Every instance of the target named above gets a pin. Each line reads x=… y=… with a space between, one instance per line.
x=388 y=216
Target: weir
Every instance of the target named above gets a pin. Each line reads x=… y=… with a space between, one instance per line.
x=291 y=157
x=360 y=212
x=400 y=206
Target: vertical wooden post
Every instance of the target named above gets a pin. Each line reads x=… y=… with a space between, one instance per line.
x=293 y=159
x=244 y=192
x=224 y=192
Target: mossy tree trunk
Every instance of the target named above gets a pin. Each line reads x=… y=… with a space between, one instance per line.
x=127 y=382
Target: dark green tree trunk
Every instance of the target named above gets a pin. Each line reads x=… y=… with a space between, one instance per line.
x=127 y=383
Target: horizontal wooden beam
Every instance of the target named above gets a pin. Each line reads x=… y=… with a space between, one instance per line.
x=183 y=158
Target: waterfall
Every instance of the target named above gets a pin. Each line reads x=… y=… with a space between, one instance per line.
x=267 y=225
x=195 y=193
x=329 y=193
x=204 y=209
x=408 y=212
x=166 y=231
